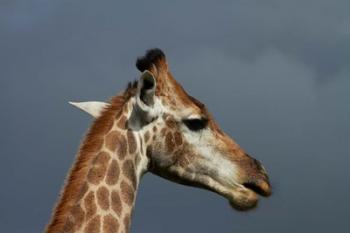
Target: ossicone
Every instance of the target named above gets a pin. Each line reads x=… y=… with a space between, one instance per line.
x=153 y=57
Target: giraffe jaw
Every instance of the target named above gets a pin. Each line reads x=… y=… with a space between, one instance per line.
x=243 y=198
x=240 y=197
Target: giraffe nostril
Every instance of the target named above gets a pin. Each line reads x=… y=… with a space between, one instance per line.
x=257 y=165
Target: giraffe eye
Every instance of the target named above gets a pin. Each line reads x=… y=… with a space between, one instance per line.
x=196 y=124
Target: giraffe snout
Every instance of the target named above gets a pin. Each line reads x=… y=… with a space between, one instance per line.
x=261 y=187
x=257 y=178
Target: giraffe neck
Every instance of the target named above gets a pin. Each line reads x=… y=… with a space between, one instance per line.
x=100 y=192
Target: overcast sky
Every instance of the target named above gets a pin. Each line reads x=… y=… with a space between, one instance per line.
x=275 y=74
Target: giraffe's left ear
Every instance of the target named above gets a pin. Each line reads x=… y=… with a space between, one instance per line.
x=145 y=109
x=146 y=89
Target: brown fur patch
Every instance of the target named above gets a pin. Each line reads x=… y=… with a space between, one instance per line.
x=170 y=143
x=109 y=126
x=127 y=193
x=147 y=136
x=98 y=141
x=111 y=140
x=178 y=138
x=78 y=215
x=122 y=122
x=122 y=147
x=154 y=129
x=103 y=197
x=110 y=224
x=99 y=167
x=170 y=123
x=163 y=132
x=90 y=205
x=131 y=142
x=113 y=173
x=94 y=225
x=83 y=190
x=69 y=226
x=129 y=171
x=116 y=203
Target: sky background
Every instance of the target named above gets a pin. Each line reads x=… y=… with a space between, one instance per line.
x=275 y=74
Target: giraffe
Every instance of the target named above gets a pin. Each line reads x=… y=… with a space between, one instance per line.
x=155 y=126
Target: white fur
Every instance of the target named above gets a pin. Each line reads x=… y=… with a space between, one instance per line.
x=211 y=158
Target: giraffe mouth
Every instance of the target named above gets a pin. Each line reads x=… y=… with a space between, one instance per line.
x=246 y=195
x=263 y=189
x=241 y=197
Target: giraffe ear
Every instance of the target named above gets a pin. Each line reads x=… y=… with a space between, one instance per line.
x=144 y=110
x=146 y=89
x=94 y=108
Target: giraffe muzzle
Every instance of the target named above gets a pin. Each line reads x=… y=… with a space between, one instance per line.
x=261 y=187
x=253 y=182
x=257 y=178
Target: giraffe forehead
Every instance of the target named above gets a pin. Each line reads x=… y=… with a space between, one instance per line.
x=174 y=96
x=180 y=110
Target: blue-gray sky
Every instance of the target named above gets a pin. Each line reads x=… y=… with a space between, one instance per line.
x=275 y=74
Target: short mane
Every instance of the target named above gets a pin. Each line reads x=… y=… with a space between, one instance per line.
x=75 y=186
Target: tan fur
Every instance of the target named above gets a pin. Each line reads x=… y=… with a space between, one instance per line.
x=94 y=225
x=127 y=221
x=127 y=193
x=116 y=203
x=92 y=143
x=110 y=224
x=78 y=215
x=131 y=142
x=90 y=205
x=122 y=147
x=113 y=173
x=103 y=197
x=128 y=167
x=110 y=140
x=99 y=168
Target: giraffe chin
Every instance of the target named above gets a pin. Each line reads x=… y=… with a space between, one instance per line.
x=243 y=200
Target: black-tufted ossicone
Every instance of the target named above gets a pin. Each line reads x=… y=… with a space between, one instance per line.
x=152 y=56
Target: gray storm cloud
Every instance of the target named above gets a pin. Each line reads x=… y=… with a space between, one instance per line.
x=275 y=74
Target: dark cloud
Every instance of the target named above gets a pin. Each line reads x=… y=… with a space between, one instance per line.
x=254 y=63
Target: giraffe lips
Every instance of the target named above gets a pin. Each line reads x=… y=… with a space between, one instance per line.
x=244 y=199
x=262 y=188
x=245 y=196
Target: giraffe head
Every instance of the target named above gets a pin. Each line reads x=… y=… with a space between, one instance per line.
x=184 y=143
